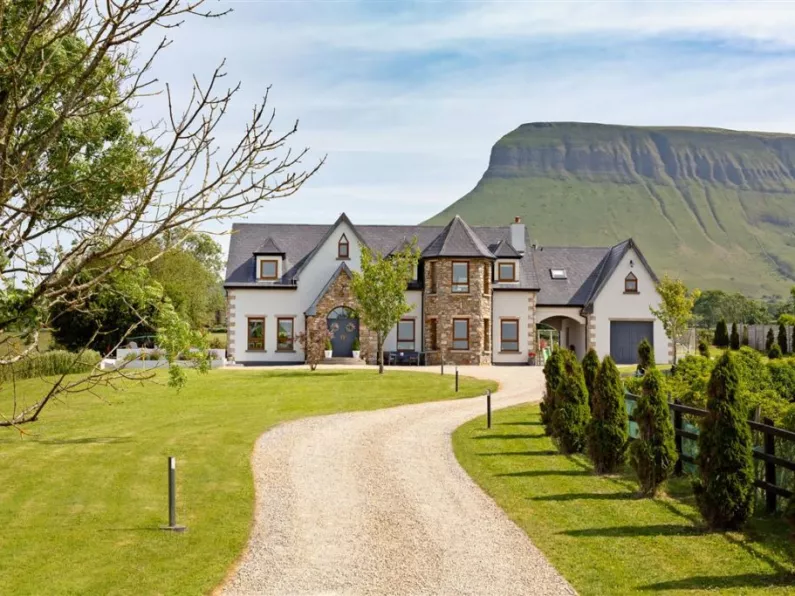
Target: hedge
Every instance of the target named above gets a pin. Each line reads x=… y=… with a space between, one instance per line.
x=47 y=364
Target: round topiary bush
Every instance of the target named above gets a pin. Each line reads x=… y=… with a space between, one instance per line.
x=774 y=352
x=590 y=368
x=724 y=489
x=571 y=414
x=734 y=340
x=607 y=430
x=653 y=455
x=703 y=348
x=553 y=373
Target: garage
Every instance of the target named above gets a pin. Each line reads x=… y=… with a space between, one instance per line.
x=625 y=337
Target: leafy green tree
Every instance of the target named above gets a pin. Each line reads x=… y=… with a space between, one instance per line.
x=676 y=307
x=380 y=290
x=590 y=368
x=724 y=489
x=607 y=430
x=571 y=414
x=645 y=355
x=782 y=338
x=721 y=335
x=769 y=340
x=653 y=455
x=734 y=340
x=553 y=374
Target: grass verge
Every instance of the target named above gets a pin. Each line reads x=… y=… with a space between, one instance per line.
x=83 y=496
x=600 y=537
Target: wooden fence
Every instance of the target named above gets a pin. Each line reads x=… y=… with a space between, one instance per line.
x=771 y=478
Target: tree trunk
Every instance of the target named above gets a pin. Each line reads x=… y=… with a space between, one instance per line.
x=380 y=354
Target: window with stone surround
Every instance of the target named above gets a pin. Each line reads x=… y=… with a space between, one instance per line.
x=460 y=277
x=268 y=268
x=284 y=334
x=506 y=272
x=343 y=248
x=486 y=278
x=432 y=277
x=509 y=335
x=460 y=334
x=405 y=335
x=256 y=334
x=631 y=284
x=433 y=337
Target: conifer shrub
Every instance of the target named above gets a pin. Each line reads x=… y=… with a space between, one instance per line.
x=774 y=352
x=553 y=373
x=721 y=335
x=745 y=335
x=782 y=375
x=653 y=455
x=770 y=340
x=703 y=348
x=590 y=368
x=645 y=355
x=724 y=490
x=571 y=414
x=607 y=430
x=782 y=338
x=734 y=340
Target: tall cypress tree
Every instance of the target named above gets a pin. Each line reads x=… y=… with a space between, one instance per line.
x=734 y=340
x=607 y=431
x=770 y=340
x=553 y=373
x=571 y=414
x=721 y=338
x=590 y=368
x=653 y=455
x=725 y=488
x=782 y=338
x=745 y=335
x=645 y=355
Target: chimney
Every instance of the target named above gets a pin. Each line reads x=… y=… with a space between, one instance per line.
x=518 y=235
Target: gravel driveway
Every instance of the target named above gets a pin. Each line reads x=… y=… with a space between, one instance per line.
x=376 y=503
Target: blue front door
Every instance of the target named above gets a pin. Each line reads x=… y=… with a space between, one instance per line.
x=343 y=323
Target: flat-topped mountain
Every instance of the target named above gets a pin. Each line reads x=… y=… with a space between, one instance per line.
x=714 y=206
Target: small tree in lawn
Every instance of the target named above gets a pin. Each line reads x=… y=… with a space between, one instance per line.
x=314 y=345
x=380 y=289
x=653 y=455
x=745 y=335
x=734 y=340
x=725 y=488
x=645 y=356
x=782 y=338
x=553 y=374
x=721 y=338
x=607 y=431
x=571 y=415
x=590 y=368
x=770 y=340
x=676 y=307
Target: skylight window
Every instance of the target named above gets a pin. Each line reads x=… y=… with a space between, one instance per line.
x=558 y=273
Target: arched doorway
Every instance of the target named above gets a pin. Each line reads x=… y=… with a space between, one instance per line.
x=343 y=323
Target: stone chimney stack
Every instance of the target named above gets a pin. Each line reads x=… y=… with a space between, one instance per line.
x=518 y=235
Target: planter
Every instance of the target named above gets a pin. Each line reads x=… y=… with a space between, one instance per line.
x=327 y=353
x=356 y=354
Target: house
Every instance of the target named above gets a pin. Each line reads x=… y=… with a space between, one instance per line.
x=478 y=296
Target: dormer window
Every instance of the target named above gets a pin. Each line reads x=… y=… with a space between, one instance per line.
x=506 y=272
x=268 y=269
x=558 y=274
x=631 y=284
x=343 y=248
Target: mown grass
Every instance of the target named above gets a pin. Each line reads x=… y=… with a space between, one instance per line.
x=603 y=539
x=82 y=496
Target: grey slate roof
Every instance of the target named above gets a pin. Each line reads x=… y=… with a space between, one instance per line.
x=504 y=250
x=269 y=247
x=582 y=267
x=457 y=239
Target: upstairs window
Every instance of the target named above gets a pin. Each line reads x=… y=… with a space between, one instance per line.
x=631 y=284
x=343 y=248
x=558 y=274
x=432 y=277
x=506 y=272
x=460 y=277
x=268 y=269
x=486 y=278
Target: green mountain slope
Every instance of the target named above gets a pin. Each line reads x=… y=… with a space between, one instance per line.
x=715 y=207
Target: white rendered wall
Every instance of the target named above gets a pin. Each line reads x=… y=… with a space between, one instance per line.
x=613 y=304
x=269 y=304
x=513 y=305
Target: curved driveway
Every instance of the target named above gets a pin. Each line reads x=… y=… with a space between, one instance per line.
x=376 y=503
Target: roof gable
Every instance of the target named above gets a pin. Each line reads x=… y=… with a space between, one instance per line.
x=269 y=247
x=505 y=250
x=340 y=220
x=457 y=239
x=609 y=265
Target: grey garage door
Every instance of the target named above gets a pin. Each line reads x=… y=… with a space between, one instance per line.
x=625 y=337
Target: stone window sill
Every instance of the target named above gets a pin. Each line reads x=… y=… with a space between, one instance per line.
x=510 y=352
x=343 y=258
x=259 y=351
x=632 y=292
x=286 y=351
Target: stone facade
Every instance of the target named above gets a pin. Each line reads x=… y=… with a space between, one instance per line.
x=442 y=305
x=591 y=331
x=340 y=294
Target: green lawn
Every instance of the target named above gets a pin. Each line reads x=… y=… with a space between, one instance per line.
x=82 y=497
x=603 y=539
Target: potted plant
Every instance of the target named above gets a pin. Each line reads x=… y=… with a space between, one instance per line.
x=329 y=349
x=356 y=348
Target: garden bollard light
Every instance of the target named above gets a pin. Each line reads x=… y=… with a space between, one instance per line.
x=488 y=408
x=172 y=498
x=456 y=378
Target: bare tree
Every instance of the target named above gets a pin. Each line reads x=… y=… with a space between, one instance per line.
x=80 y=190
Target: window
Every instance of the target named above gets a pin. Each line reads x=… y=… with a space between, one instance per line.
x=509 y=335
x=432 y=277
x=486 y=335
x=256 y=334
x=405 y=335
x=486 y=278
x=268 y=269
x=506 y=272
x=460 y=334
x=433 y=341
x=343 y=248
x=558 y=274
x=631 y=284
x=460 y=277
x=284 y=334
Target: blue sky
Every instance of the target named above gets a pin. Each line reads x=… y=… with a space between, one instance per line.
x=406 y=98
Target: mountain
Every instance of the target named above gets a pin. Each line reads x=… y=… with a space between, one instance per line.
x=714 y=207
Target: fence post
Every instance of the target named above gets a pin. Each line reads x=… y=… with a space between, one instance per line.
x=172 y=497
x=770 y=468
x=679 y=467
